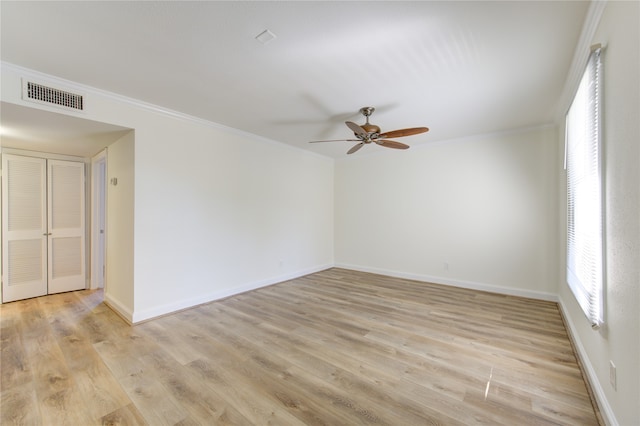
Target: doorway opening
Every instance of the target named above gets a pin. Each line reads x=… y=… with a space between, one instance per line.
x=32 y=132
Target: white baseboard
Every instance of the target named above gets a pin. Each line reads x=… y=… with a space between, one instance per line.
x=532 y=294
x=147 y=314
x=119 y=308
x=603 y=404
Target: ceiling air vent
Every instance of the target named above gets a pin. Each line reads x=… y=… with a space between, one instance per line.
x=49 y=95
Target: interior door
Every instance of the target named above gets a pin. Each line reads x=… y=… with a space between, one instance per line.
x=66 y=219
x=24 y=227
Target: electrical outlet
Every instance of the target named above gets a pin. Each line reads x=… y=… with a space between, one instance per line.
x=612 y=375
x=445 y=266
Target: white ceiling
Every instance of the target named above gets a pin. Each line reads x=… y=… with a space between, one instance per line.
x=459 y=68
x=42 y=131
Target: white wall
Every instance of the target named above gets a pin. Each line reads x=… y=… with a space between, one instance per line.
x=485 y=206
x=619 y=339
x=222 y=214
x=216 y=211
x=119 y=284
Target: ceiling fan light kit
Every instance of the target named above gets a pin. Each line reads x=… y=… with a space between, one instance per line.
x=368 y=133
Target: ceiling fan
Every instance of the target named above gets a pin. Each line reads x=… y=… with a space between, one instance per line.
x=368 y=133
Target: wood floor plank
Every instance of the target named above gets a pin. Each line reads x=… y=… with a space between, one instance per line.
x=19 y=406
x=237 y=387
x=203 y=404
x=127 y=415
x=15 y=364
x=337 y=347
x=279 y=372
x=101 y=391
x=157 y=406
x=170 y=340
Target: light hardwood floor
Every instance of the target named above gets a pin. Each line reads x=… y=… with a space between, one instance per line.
x=333 y=348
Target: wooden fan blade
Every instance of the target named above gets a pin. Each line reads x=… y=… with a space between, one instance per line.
x=356 y=129
x=355 y=148
x=404 y=132
x=392 y=144
x=337 y=140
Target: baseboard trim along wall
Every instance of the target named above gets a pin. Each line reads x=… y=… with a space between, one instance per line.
x=531 y=294
x=119 y=308
x=603 y=404
x=147 y=314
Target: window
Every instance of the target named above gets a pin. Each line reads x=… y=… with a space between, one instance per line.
x=584 y=192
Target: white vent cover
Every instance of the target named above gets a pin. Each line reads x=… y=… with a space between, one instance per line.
x=51 y=96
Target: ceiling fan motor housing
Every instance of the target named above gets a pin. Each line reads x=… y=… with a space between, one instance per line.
x=370 y=128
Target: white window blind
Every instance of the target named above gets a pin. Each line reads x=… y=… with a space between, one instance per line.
x=584 y=193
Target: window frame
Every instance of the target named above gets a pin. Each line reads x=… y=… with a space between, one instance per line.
x=585 y=192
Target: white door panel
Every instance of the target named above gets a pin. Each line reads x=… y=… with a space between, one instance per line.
x=24 y=228
x=66 y=208
x=43 y=227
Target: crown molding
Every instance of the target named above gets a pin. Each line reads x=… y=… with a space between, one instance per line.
x=580 y=56
x=136 y=103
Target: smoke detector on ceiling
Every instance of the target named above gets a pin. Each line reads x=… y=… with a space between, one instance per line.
x=265 y=37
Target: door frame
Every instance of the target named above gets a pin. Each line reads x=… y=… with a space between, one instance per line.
x=98 y=219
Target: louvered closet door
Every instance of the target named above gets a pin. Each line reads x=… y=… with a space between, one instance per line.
x=66 y=207
x=24 y=228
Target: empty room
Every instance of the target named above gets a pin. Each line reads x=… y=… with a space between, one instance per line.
x=320 y=213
